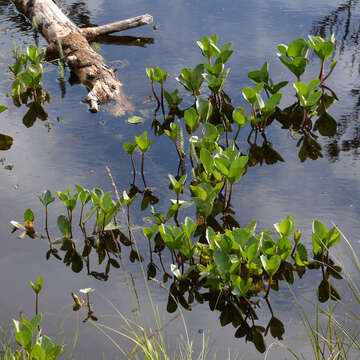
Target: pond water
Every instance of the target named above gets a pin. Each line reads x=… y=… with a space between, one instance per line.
x=73 y=147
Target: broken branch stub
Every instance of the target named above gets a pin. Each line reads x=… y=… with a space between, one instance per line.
x=83 y=61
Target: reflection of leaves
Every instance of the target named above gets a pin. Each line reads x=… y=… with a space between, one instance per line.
x=5 y=142
x=310 y=148
x=76 y=263
x=290 y=117
x=258 y=339
x=151 y=271
x=149 y=197
x=326 y=125
x=277 y=329
x=255 y=155
x=35 y=111
x=327 y=290
x=270 y=155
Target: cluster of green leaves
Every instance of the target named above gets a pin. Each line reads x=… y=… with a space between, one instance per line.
x=28 y=71
x=264 y=99
x=33 y=344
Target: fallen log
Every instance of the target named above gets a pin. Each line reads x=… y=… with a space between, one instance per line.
x=84 y=62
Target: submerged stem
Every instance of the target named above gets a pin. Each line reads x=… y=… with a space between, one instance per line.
x=134 y=170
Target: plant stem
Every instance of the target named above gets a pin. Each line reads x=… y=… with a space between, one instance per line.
x=46 y=226
x=36 y=304
x=142 y=169
x=268 y=289
x=229 y=199
x=156 y=97
x=162 y=100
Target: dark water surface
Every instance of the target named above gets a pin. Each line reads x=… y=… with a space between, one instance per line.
x=79 y=145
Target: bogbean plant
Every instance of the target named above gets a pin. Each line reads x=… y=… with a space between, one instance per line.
x=313 y=99
x=32 y=343
x=27 y=72
x=235 y=264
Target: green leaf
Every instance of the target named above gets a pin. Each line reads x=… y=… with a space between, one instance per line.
x=207 y=160
x=35 y=321
x=241 y=285
x=332 y=66
x=191 y=118
x=323 y=49
x=38 y=285
x=222 y=261
x=222 y=164
x=216 y=83
x=46 y=198
x=150 y=232
x=55 y=352
x=64 y=225
x=203 y=206
x=333 y=237
x=273 y=101
x=37 y=353
x=285 y=227
x=143 y=142
x=23 y=338
x=28 y=217
x=129 y=147
x=239 y=116
x=189 y=227
x=150 y=74
x=301 y=255
x=135 y=120
x=284 y=247
x=192 y=79
x=2 y=108
x=46 y=344
x=204 y=109
x=298 y=48
x=250 y=95
x=208 y=46
x=319 y=228
x=271 y=265
x=237 y=169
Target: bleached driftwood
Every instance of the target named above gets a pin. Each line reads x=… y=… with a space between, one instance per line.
x=86 y=64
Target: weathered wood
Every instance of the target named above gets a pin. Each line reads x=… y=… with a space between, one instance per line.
x=86 y=64
x=92 y=32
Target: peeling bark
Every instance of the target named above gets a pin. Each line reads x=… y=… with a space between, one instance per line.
x=83 y=61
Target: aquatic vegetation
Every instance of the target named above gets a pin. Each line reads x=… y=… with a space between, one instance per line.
x=30 y=343
x=33 y=344
x=27 y=88
x=304 y=117
x=37 y=286
x=213 y=258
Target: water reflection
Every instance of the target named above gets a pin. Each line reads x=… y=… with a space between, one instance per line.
x=343 y=21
